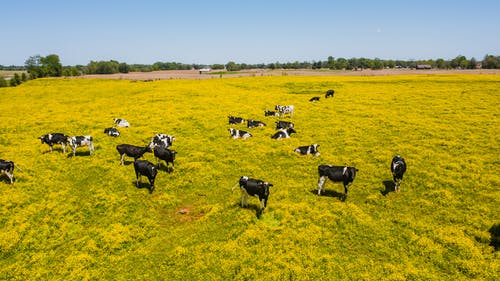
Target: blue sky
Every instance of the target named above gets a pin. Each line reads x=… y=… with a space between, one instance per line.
x=256 y=31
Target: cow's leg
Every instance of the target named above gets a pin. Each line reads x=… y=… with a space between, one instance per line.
x=138 y=181
x=91 y=147
x=50 y=146
x=74 y=150
x=321 y=184
x=63 y=147
x=123 y=157
x=263 y=203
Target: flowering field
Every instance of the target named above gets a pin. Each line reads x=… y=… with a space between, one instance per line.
x=83 y=218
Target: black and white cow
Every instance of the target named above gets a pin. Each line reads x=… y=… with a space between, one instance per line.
x=342 y=174
x=162 y=140
x=254 y=187
x=329 y=93
x=55 y=138
x=235 y=120
x=77 y=141
x=254 y=123
x=239 y=134
x=121 y=122
x=309 y=149
x=314 y=99
x=283 y=125
x=7 y=168
x=113 y=132
x=284 y=109
x=398 y=168
x=270 y=113
x=131 y=151
x=283 y=133
x=163 y=153
x=145 y=168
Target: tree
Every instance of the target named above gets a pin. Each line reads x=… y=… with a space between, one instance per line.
x=34 y=66
x=491 y=62
x=232 y=66
x=52 y=65
x=3 y=82
x=123 y=68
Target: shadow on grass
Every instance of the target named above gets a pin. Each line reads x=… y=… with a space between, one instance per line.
x=163 y=167
x=389 y=187
x=55 y=149
x=331 y=193
x=142 y=185
x=79 y=154
x=255 y=207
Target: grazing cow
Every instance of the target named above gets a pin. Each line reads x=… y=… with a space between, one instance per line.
x=131 y=151
x=342 y=174
x=55 y=138
x=164 y=153
x=314 y=99
x=329 y=93
x=398 y=168
x=145 y=168
x=283 y=133
x=309 y=149
x=283 y=125
x=235 y=120
x=113 y=132
x=235 y=134
x=253 y=123
x=77 y=141
x=270 y=113
x=254 y=187
x=162 y=140
x=7 y=168
x=121 y=122
x=284 y=109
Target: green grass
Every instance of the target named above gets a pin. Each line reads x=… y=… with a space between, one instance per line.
x=83 y=218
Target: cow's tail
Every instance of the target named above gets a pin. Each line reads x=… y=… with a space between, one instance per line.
x=18 y=167
x=234 y=186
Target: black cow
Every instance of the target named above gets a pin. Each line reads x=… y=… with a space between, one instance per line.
x=270 y=113
x=235 y=120
x=131 y=151
x=55 y=138
x=398 y=168
x=309 y=149
x=283 y=133
x=235 y=134
x=77 y=141
x=314 y=99
x=253 y=123
x=342 y=174
x=254 y=187
x=329 y=93
x=113 y=132
x=284 y=109
x=145 y=168
x=164 y=153
x=7 y=168
x=162 y=140
x=121 y=122
x=283 y=125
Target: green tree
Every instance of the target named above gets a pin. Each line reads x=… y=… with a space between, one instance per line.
x=3 y=82
x=491 y=62
x=52 y=65
x=232 y=66
x=123 y=68
x=34 y=66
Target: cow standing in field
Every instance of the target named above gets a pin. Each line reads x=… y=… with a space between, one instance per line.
x=283 y=133
x=398 y=168
x=77 y=141
x=145 y=168
x=254 y=187
x=121 y=122
x=7 y=168
x=342 y=174
x=308 y=150
x=163 y=153
x=131 y=151
x=55 y=138
x=329 y=93
x=162 y=140
x=284 y=109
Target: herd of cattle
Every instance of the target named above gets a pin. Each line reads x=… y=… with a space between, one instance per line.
x=160 y=144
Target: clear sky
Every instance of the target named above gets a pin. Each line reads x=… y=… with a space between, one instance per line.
x=253 y=31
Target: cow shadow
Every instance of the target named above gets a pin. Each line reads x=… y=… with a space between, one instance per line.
x=389 y=187
x=127 y=162
x=331 y=193
x=254 y=207
x=165 y=168
x=142 y=185
x=79 y=154
x=55 y=149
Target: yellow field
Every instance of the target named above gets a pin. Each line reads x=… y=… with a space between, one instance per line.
x=83 y=218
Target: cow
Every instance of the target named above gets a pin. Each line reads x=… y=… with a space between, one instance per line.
x=7 y=168
x=398 y=168
x=284 y=109
x=309 y=149
x=131 y=151
x=145 y=168
x=314 y=99
x=121 y=122
x=235 y=134
x=270 y=113
x=253 y=187
x=253 y=123
x=162 y=140
x=342 y=174
x=77 y=141
x=163 y=153
x=55 y=138
x=283 y=133
x=113 y=132
x=235 y=120
x=283 y=125
x=329 y=93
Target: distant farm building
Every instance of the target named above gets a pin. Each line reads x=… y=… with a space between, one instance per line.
x=204 y=70
x=424 y=66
